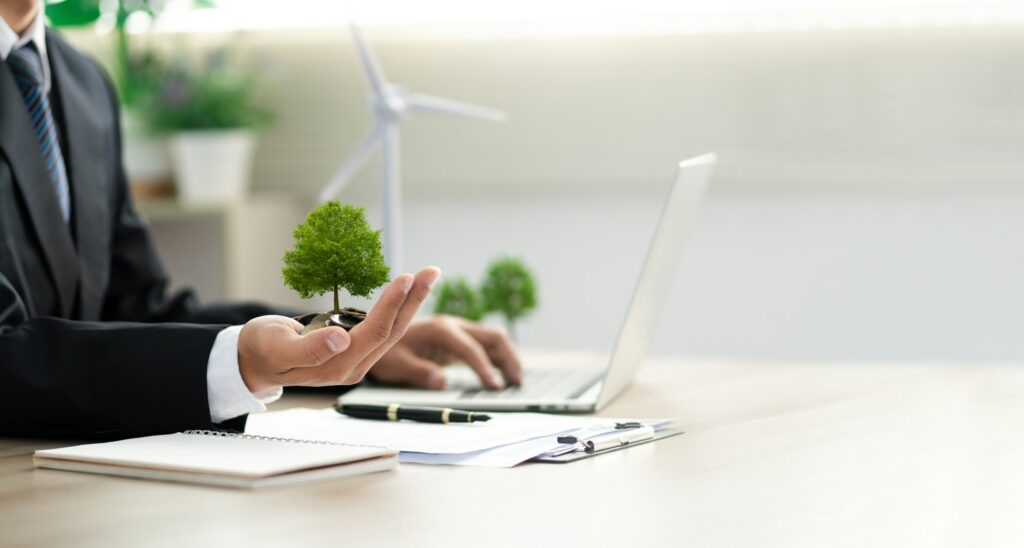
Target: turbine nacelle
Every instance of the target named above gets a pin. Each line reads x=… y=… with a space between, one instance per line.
x=391 y=103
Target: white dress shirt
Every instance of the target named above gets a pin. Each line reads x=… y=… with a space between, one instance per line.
x=229 y=396
x=227 y=393
x=35 y=34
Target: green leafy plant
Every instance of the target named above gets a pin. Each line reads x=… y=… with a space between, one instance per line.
x=218 y=94
x=458 y=298
x=73 y=13
x=509 y=290
x=132 y=70
x=335 y=248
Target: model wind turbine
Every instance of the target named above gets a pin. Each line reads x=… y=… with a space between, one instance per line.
x=390 y=104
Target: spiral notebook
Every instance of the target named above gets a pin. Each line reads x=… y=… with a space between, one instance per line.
x=219 y=458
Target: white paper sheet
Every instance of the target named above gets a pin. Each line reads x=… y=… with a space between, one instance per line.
x=328 y=425
x=510 y=455
x=505 y=456
x=506 y=440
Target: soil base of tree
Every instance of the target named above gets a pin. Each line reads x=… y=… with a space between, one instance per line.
x=347 y=319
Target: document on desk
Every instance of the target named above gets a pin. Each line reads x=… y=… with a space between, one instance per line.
x=328 y=425
x=509 y=455
x=506 y=440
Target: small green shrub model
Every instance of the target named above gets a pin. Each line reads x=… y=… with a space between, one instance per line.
x=335 y=248
x=458 y=298
x=509 y=290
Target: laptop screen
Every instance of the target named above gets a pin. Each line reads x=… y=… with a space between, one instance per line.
x=659 y=270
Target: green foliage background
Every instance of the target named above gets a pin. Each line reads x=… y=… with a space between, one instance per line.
x=131 y=79
x=219 y=95
x=335 y=248
x=458 y=298
x=509 y=289
x=171 y=95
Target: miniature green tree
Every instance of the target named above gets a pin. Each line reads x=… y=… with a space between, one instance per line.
x=458 y=298
x=335 y=248
x=509 y=290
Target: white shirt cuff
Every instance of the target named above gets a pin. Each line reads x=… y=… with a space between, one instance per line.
x=228 y=395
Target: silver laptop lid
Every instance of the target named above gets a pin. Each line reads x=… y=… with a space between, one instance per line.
x=652 y=288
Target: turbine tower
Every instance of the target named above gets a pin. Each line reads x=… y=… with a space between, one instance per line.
x=390 y=104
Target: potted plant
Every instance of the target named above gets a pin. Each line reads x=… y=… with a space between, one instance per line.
x=136 y=74
x=335 y=249
x=211 y=113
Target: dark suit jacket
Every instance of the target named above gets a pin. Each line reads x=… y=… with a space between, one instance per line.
x=89 y=341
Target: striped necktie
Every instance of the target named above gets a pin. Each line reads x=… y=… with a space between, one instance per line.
x=27 y=67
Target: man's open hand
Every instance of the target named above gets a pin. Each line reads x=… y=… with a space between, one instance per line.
x=272 y=353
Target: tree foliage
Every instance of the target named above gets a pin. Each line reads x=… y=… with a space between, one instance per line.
x=509 y=289
x=335 y=248
x=458 y=298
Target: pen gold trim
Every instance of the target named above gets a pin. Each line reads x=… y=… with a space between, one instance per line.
x=446 y=415
x=393 y=411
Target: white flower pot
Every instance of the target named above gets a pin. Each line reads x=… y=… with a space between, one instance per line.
x=212 y=167
x=144 y=154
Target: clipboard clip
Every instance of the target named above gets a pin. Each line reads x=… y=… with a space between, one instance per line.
x=633 y=435
x=608 y=440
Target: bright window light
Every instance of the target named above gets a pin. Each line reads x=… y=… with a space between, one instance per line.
x=486 y=18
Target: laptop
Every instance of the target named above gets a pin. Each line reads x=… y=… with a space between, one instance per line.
x=580 y=389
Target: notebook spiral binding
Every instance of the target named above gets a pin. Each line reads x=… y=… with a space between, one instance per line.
x=273 y=438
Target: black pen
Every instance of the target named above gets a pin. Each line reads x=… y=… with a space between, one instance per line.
x=395 y=411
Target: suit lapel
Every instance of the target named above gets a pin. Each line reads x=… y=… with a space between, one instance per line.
x=85 y=155
x=17 y=140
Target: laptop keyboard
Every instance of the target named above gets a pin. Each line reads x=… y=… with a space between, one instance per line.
x=542 y=384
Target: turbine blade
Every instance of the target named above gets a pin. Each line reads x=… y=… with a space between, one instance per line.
x=438 y=105
x=356 y=159
x=374 y=75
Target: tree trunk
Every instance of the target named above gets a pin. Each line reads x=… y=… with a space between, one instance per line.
x=337 y=305
x=511 y=326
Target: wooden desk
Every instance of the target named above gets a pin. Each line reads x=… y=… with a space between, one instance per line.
x=776 y=454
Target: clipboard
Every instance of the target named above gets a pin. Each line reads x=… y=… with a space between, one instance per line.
x=580 y=454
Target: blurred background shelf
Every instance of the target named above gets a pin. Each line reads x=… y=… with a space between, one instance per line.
x=229 y=252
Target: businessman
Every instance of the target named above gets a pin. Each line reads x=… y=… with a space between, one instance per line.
x=90 y=343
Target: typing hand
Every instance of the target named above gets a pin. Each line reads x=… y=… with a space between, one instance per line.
x=428 y=344
x=272 y=353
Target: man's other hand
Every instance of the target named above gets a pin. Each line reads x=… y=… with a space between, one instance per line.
x=417 y=359
x=272 y=353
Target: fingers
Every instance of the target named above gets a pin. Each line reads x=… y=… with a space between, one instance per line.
x=411 y=370
x=500 y=348
x=375 y=330
x=468 y=349
x=310 y=360
x=271 y=352
x=310 y=350
x=331 y=355
x=422 y=284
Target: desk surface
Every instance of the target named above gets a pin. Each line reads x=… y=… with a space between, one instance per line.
x=898 y=454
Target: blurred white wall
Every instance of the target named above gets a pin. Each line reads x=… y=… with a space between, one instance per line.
x=869 y=200
x=778 y=274
x=869 y=107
